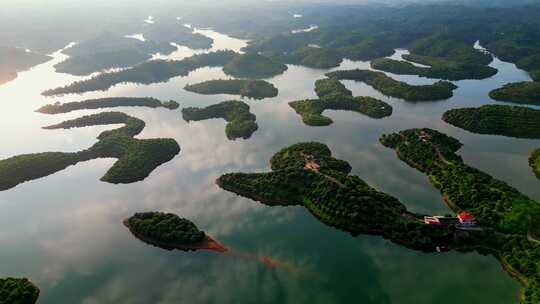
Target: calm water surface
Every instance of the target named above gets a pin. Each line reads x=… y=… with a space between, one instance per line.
x=64 y=231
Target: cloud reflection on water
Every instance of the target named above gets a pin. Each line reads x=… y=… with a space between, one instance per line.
x=66 y=227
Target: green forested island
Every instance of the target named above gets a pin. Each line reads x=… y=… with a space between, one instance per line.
x=509 y=218
x=333 y=95
x=133 y=126
x=449 y=56
x=527 y=92
x=306 y=174
x=137 y=158
x=253 y=66
x=534 y=161
x=241 y=122
x=181 y=35
x=111 y=42
x=18 y=291
x=14 y=60
x=336 y=44
x=102 y=61
x=313 y=57
x=442 y=70
x=445 y=57
x=108 y=51
x=169 y=231
x=146 y=73
x=109 y=102
x=256 y=89
x=443 y=46
x=391 y=87
x=511 y=121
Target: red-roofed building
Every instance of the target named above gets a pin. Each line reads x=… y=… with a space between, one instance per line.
x=312 y=166
x=466 y=219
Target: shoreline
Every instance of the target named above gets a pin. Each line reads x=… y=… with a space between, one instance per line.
x=207 y=244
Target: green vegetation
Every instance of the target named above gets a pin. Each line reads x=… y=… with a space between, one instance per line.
x=108 y=51
x=388 y=86
x=14 y=60
x=110 y=102
x=331 y=88
x=18 y=291
x=534 y=161
x=517 y=44
x=531 y=64
x=137 y=158
x=519 y=92
x=257 y=89
x=334 y=46
x=507 y=216
x=450 y=56
x=445 y=47
x=447 y=57
x=442 y=70
x=511 y=121
x=133 y=126
x=22 y=168
x=110 y=42
x=294 y=157
x=165 y=228
x=102 y=61
x=335 y=42
x=169 y=231
x=311 y=109
x=370 y=47
x=154 y=71
x=306 y=174
x=318 y=58
x=167 y=33
x=241 y=122
x=253 y=66
x=335 y=96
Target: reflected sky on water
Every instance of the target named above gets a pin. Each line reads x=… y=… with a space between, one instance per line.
x=64 y=231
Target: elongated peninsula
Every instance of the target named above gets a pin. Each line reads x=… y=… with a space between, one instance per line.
x=154 y=71
x=438 y=91
x=510 y=219
x=527 y=92
x=510 y=121
x=137 y=158
x=110 y=102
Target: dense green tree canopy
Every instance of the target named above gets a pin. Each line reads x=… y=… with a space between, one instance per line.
x=511 y=121
x=241 y=122
x=257 y=89
x=253 y=66
x=18 y=291
x=109 y=102
x=519 y=92
x=335 y=96
x=165 y=227
x=391 y=87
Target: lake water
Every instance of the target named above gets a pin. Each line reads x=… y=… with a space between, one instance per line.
x=64 y=231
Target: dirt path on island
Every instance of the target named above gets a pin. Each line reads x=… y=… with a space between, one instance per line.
x=313 y=166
